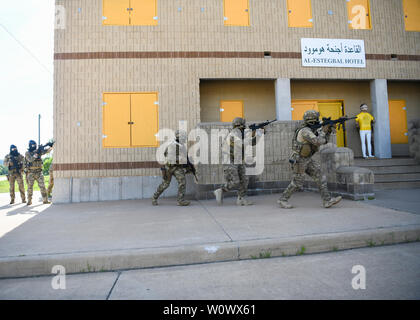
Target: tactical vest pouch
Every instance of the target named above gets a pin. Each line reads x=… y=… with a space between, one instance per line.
x=306 y=151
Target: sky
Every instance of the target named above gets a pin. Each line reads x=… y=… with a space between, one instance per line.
x=26 y=78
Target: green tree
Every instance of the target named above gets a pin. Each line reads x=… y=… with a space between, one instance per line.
x=46 y=166
x=3 y=170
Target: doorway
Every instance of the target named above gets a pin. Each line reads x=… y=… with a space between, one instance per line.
x=333 y=109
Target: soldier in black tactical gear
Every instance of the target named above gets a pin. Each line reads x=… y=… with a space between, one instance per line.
x=14 y=162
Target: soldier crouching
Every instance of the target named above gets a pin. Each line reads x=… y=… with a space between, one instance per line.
x=306 y=142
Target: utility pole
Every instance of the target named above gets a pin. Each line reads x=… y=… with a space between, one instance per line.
x=39 y=129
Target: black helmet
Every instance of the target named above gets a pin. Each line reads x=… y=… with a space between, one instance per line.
x=13 y=149
x=32 y=145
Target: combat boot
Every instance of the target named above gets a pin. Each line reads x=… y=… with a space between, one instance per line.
x=183 y=203
x=243 y=201
x=46 y=201
x=219 y=196
x=332 y=201
x=29 y=202
x=12 y=201
x=284 y=204
x=154 y=201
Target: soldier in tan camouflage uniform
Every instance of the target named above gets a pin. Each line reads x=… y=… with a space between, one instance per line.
x=175 y=165
x=51 y=182
x=306 y=143
x=234 y=173
x=34 y=171
x=14 y=162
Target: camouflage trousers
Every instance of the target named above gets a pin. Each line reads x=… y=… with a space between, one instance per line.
x=16 y=177
x=179 y=173
x=51 y=182
x=32 y=176
x=312 y=169
x=235 y=178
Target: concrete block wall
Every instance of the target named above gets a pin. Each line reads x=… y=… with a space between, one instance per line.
x=277 y=172
x=73 y=190
x=414 y=138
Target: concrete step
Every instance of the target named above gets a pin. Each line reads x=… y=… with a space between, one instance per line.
x=397 y=177
x=397 y=185
x=385 y=162
x=395 y=169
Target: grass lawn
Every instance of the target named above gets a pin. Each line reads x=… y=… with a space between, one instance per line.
x=4 y=185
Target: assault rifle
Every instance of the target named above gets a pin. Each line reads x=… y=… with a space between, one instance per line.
x=328 y=122
x=41 y=148
x=261 y=125
x=15 y=165
x=190 y=168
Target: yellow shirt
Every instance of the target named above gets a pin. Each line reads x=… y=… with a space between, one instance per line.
x=365 y=119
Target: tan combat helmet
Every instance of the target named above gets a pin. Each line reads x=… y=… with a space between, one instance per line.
x=180 y=135
x=311 y=117
x=238 y=122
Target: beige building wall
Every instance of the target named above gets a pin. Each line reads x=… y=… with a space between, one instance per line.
x=258 y=97
x=80 y=79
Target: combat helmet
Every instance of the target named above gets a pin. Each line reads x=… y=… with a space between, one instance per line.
x=180 y=135
x=13 y=150
x=238 y=122
x=311 y=117
x=32 y=145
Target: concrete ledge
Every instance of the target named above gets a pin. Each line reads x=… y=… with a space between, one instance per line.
x=74 y=190
x=212 y=252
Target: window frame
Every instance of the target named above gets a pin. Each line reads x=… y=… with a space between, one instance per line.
x=311 y=20
x=130 y=120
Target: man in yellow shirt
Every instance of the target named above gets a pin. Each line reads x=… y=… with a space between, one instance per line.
x=364 y=123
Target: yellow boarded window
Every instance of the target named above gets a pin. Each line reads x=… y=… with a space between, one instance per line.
x=412 y=15
x=299 y=13
x=145 y=119
x=143 y=12
x=115 y=119
x=230 y=109
x=300 y=107
x=116 y=12
x=130 y=120
x=236 y=12
x=398 y=121
x=358 y=12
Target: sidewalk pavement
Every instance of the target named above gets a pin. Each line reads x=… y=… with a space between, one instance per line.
x=120 y=235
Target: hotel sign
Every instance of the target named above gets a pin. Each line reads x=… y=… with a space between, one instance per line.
x=336 y=53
